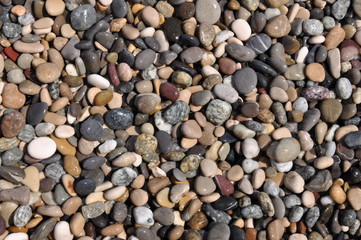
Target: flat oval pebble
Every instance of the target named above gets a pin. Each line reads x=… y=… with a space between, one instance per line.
x=41 y=148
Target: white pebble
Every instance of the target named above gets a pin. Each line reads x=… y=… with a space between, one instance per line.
x=98 y=81
x=250 y=148
x=161 y=124
x=301 y=54
x=249 y=165
x=107 y=146
x=326 y=200
x=62 y=231
x=282 y=167
x=242 y=29
x=41 y=148
x=143 y=216
x=64 y=131
x=331 y=132
x=17 y=236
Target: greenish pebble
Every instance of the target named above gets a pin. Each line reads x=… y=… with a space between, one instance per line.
x=190 y=163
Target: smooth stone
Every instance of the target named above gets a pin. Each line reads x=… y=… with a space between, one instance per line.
x=83 y=17
x=204 y=185
x=240 y=53
x=41 y=148
x=208 y=11
x=313 y=27
x=260 y=43
x=164 y=216
x=144 y=59
x=226 y=92
x=287 y=150
x=176 y=112
x=143 y=216
x=219 y=231
x=343 y=88
x=278 y=26
x=91 y=130
x=218 y=111
x=242 y=29
x=119 y=8
x=321 y=182
x=123 y=176
x=119 y=119
x=244 y=80
x=47 y=72
x=331 y=109
x=84 y=187
x=191 y=55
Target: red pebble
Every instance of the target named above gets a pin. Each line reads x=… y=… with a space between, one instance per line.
x=262 y=90
x=113 y=74
x=10 y=52
x=317 y=196
x=224 y=185
x=356 y=64
x=169 y=91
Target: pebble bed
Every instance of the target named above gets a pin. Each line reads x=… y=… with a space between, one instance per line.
x=180 y=119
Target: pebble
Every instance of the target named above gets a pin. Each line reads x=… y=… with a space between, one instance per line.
x=45 y=144
x=218 y=111
x=244 y=80
x=207 y=11
x=143 y=216
x=83 y=17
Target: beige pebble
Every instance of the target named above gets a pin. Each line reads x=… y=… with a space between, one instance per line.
x=51 y=211
x=294 y=182
x=139 y=197
x=71 y=205
x=114 y=193
x=31 y=179
x=323 y=162
x=338 y=194
x=95 y=197
x=64 y=131
x=280 y=133
x=258 y=178
x=124 y=160
x=308 y=199
x=320 y=131
x=28 y=47
x=343 y=131
x=77 y=224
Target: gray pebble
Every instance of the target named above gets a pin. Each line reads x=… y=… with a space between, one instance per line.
x=216 y=215
x=226 y=92
x=22 y=215
x=252 y=211
x=291 y=201
x=218 y=111
x=11 y=30
x=219 y=231
x=176 y=112
x=27 y=134
x=201 y=98
x=244 y=80
x=312 y=216
x=123 y=176
x=296 y=214
x=11 y=157
x=93 y=210
x=313 y=27
x=54 y=171
x=83 y=17
x=343 y=88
